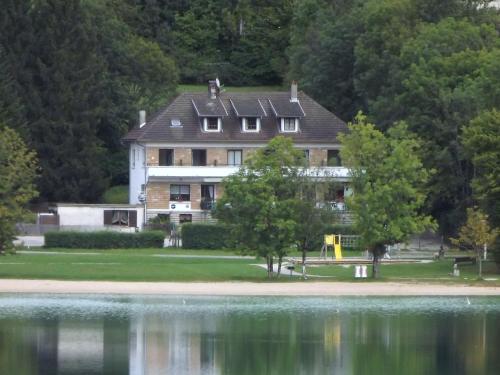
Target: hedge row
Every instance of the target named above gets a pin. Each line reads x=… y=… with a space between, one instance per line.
x=204 y=236
x=104 y=240
x=340 y=229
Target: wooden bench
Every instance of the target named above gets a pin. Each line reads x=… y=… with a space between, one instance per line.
x=458 y=260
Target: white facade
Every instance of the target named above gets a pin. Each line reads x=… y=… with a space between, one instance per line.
x=91 y=216
x=137 y=172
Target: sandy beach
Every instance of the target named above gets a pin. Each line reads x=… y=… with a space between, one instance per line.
x=245 y=288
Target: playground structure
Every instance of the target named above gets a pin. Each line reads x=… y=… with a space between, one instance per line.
x=333 y=241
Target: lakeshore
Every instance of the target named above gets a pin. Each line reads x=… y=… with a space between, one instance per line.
x=246 y=288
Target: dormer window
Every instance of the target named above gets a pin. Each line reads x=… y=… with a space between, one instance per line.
x=289 y=124
x=212 y=124
x=250 y=124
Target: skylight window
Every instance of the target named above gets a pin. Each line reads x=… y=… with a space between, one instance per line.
x=176 y=123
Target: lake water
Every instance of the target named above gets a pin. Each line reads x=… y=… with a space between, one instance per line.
x=41 y=334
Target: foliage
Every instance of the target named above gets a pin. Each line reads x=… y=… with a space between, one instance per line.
x=434 y=65
x=116 y=195
x=475 y=234
x=204 y=236
x=77 y=74
x=388 y=180
x=481 y=138
x=104 y=240
x=18 y=169
x=259 y=202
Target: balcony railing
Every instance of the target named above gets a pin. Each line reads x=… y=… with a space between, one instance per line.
x=340 y=173
x=207 y=204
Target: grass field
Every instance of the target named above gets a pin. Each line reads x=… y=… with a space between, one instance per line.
x=212 y=265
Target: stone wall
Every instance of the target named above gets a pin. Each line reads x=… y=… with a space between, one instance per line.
x=158 y=195
x=152 y=156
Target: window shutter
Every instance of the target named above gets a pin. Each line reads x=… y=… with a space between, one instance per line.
x=108 y=217
x=132 y=219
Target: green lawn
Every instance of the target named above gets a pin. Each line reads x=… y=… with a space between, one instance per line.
x=153 y=265
x=438 y=271
x=126 y=265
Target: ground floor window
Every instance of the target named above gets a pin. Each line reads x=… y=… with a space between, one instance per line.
x=207 y=197
x=126 y=218
x=180 y=193
x=185 y=218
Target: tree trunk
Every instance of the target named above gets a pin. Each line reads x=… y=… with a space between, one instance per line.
x=269 y=266
x=304 y=264
x=375 y=266
x=280 y=259
x=480 y=264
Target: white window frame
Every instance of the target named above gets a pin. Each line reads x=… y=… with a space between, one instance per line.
x=296 y=127
x=234 y=152
x=206 y=129
x=244 y=121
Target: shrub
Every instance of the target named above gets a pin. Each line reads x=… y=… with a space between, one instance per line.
x=104 y=240
x=204 y=236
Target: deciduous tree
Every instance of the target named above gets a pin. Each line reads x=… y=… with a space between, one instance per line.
x=18 y=169
x=260 y=201
x=388 y=180
x=475 y=234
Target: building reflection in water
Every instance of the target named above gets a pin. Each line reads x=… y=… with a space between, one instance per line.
x=271 y=343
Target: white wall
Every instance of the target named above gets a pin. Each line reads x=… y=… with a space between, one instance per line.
x=92 y=216
x=137 y=172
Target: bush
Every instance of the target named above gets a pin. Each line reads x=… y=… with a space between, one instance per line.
x=204 y=236
x=116 y=195
x=104 y=240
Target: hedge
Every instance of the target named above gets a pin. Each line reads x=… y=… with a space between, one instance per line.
x=204 y=236
x=345 y=229
x=104 y=240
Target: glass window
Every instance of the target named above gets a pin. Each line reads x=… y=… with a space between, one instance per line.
x=234 y=157
x=180 y=193
x=207 y=197
x=251 y=124
x=185 y=218
x=212 y=123
x=288 y=124
x=166 y=156
x=306 y=156
x=333 y=158
x=199 y=157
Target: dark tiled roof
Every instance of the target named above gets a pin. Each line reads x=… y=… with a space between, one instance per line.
x=247 y=107
x=207 y=107
x=283 y=107
x=317 y=126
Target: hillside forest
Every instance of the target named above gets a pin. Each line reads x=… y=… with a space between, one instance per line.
x=75 y=73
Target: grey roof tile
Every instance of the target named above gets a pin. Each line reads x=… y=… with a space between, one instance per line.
x=247 y=107
x=317 y=126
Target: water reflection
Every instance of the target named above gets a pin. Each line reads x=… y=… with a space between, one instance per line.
x=248 y=336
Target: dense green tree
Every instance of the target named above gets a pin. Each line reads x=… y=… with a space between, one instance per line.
x=67 y=90
x=388 y=180
x=321 y=53
x=18 y=169
x=259 y=202
x=481 y=139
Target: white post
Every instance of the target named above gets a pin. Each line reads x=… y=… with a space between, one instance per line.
x=485 y=251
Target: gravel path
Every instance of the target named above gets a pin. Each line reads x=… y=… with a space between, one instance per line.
x=247 y=288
